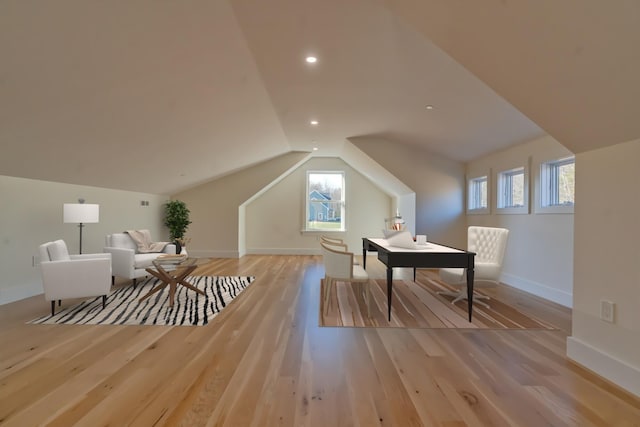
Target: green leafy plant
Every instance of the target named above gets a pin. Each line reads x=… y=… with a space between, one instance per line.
x=176 y=219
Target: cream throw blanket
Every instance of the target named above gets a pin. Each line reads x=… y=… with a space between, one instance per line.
x=142 y=238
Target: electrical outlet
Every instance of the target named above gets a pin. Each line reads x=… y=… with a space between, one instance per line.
x=35 y=260
x=607 y=311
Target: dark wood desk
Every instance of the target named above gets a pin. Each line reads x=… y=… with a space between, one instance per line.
x=430 y=255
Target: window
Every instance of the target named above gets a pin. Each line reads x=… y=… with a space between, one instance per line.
x=512 y=191
x=557 y=185
x=325 y=201
x=477 y=196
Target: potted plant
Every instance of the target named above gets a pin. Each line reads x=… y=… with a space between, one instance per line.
x=176 y=219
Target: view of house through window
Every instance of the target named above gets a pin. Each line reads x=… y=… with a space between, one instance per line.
x=511 y=188
x=478 y=193
x=558 y=182
x=325 y=201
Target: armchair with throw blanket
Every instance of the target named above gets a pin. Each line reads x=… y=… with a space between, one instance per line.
x=133 y=251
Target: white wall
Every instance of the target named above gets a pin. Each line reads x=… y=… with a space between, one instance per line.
x=214 y=206
x=274 y=221
x=539 y=255
x=438 y=184
x=31 y=214
x=607 y=255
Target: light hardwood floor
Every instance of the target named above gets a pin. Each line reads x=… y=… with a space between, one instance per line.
x=265 y=362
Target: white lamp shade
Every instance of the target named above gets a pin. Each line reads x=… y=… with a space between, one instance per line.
x=81 y=213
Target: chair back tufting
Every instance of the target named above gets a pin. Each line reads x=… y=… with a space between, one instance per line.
x=488 y=243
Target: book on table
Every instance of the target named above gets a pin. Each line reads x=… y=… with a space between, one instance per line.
x=171 y=258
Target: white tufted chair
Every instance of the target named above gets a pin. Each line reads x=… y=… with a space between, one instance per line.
x=490 y=245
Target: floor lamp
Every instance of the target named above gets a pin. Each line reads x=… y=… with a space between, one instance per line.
x=81 y=214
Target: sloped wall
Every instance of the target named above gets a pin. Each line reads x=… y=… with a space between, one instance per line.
x=438 y=184
x=274 y=221
x=214 y=205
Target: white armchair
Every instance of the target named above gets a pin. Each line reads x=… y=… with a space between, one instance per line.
x=127 y=261
x=490 y=245
x=73 y=276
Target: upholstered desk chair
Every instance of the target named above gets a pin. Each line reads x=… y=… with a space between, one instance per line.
x=335 y=240
x=73 y=276
x=337 y=244
x=339 y=267
x=489 y=244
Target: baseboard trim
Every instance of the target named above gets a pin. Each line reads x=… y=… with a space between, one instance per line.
x=283 y=251
x=214 y=254
x=539 y=289
x=16 y=293
x=604 y=365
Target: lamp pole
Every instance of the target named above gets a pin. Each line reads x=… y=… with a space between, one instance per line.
x=81 y=225
x=81 y=214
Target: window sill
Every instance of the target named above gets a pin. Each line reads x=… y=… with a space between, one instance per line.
x=554 y=209
x=484 y=211
x=520 y=210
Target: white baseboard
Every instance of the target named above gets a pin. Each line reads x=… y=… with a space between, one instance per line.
x=214 y=254
x=539 y=289
x=281 y=251
x=17 y=293
x=605 y=365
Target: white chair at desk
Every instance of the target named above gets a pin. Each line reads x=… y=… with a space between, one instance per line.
x=339 y=267
x=490 y=245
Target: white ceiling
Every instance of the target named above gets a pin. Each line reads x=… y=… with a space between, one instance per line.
x=158 y=96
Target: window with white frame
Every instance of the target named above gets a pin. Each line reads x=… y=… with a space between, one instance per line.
x=477 y=195
x=325 y=210
x=557 y=185
x=512 y=191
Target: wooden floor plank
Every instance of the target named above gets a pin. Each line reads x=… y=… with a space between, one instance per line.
x=266 y=361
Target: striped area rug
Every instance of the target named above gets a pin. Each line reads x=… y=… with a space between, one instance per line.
x=417 y=305
x=125 y=308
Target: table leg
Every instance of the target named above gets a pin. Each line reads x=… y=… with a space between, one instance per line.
x=389 y=289
x=163 y=282
x=171 y=279
x=172 y=291
x=364 y=257
x=193 y=288
x=470 y=290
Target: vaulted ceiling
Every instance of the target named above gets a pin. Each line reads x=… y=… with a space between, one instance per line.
x=159 y=96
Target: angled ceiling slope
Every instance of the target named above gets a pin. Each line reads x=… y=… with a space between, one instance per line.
x=374 y=77
x=160 y=96
x=570 y=66
x=143 y=96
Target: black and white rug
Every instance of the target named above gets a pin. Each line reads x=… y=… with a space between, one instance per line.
x=125 y=308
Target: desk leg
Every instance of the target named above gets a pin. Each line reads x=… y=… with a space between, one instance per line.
x=364 y=257
x=470 y=290
x=389 y=290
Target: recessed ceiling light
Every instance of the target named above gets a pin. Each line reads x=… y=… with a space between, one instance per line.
x=315 y=148
x=311 y=59
x=429 y=107
x=314 y=122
